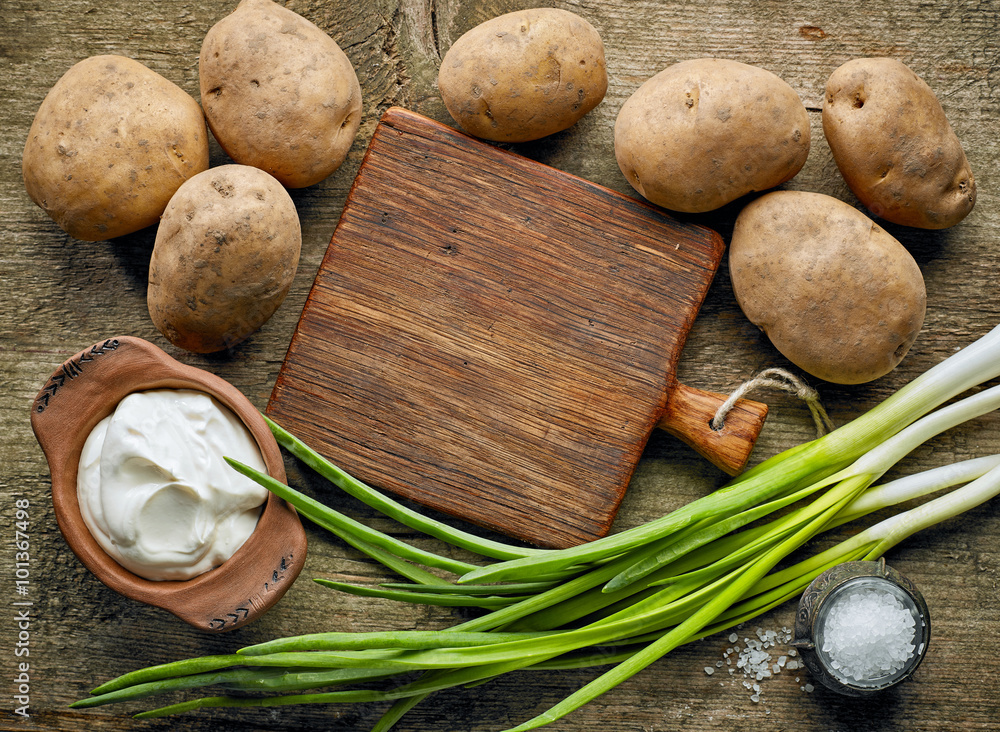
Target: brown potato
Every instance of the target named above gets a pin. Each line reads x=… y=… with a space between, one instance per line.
x=705 y=132
x=836 y=294
x=110 y=144
x=894 y=145
x=279 y=93
x=226 y=252
x=524 y=75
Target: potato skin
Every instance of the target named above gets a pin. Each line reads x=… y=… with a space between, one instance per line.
x=225 y=255
x=894 y=145
x=110 y=144
x=524 y=75
x=836 y=294
x=279 y=93
x=704 y=132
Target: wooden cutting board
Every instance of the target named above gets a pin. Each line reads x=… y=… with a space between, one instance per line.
x=497 y=339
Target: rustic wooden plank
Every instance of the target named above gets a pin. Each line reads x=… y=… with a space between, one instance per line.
x=491 y=337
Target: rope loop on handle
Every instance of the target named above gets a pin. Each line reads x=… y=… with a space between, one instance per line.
x=780 y=379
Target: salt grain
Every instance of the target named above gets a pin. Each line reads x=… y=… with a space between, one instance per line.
x=754 y=658
x=867 y=634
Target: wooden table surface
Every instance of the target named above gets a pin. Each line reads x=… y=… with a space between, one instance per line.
x=60 y=295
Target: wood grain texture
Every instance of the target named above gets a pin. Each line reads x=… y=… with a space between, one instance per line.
x=61 y=295
x=492 y=337
x=727 y=446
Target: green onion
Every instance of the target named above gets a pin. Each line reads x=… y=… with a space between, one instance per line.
x=424 y=598
x=389 y=507
x=866 y=469
x=622 y=601
x=348 y=529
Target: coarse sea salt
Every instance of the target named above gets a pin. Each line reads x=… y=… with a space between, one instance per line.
x=868 y=633
x=762 y=655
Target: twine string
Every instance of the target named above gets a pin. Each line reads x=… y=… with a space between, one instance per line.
x=780 y=379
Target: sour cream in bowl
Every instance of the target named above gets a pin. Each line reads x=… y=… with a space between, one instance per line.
x=135 y=442
x=154 y=487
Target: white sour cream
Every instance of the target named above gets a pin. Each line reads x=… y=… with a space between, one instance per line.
x=155 y=491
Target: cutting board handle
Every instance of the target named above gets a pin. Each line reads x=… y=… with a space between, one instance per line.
x=689 y=416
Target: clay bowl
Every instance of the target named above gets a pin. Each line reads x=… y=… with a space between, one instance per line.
x=83 y=391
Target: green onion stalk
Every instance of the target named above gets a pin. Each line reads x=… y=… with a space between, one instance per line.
x=622 y=601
